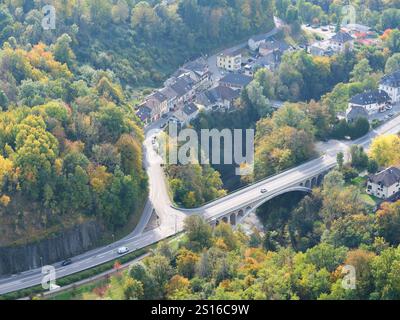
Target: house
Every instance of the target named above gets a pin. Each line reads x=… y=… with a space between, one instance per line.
x=321 y=48
x=356 y=112
x=154 y=106
x=144 y=114
x=235 y=81
x=355 y=28
x=230 y=60
x=187 y=113
x=340 y=41
x=160 y=103
x=171 y=97
x=384 y=184
x=268 y=47
x=220 y=97
x=372 y=101
x=183 y=88
x=197 y=70
x=391 y=85
x=255 y=42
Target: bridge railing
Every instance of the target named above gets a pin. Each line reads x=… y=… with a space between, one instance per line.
x=260 y=181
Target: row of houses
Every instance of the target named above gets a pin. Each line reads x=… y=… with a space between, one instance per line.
x=178 y=90
x=190 y=89
x=373 y=101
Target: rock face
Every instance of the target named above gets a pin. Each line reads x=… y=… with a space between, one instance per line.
x=70 y=242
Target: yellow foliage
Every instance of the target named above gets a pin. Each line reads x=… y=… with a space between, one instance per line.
x=5 y=200
x=220 y=243
x=99 y=178
x=6 y=167
x=385 y=150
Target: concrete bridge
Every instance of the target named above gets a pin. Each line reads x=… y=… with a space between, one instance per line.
x=234 y=207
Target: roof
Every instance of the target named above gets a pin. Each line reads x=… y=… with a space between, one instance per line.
x=143 y=112
x=190 y=108
x=182 y=85
x=342 y=37
x=261 y=37
x=168 y=92
x=387 y=177
x=275 y=45
x=392 y=79
x=216 y=94
x=199 y=66
x=231 y=52
x=158 y=96
x=357 y=27
x=356 y=112
x=370 y=97
x=236 y=79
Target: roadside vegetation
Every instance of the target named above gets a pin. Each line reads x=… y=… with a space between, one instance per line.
x=329 y=229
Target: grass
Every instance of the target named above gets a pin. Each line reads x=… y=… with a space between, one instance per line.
x=369 y=200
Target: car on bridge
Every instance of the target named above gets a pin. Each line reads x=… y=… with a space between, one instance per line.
x=263 y=190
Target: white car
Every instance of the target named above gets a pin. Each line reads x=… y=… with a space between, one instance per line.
x=389 y=107
x=122 y=250
x=53 y=287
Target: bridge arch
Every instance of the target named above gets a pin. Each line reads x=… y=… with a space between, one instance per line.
x=242 y=214
x=232 y=219
x=313 y=182
x=308 y=184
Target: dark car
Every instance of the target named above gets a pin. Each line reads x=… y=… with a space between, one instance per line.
x=66 y=262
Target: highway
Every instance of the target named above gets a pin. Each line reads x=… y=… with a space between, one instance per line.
x=172 y=218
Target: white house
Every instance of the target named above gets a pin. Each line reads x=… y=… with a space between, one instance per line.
x=255 y=42
x=340 y=41
x=384 y=184
x=372 y=101
x=391 y=84
x=230 y=60
x=220 y=97
x=187 y=113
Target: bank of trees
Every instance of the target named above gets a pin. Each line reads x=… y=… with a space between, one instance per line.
x=229 y=265
x=70 y=145
x=140 y=41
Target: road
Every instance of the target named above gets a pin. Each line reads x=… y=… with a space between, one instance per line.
x=171 y=219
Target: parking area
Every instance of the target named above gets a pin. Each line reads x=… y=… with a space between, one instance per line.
x=326 y=32
x=386 y=115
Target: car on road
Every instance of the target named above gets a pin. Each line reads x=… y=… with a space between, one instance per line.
x=53 y=287
x=122 y=250
x=66 y=262
x=389 y=107
x=163 y=125
x=263 y=190
x=391 y=115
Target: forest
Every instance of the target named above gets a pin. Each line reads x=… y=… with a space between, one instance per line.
x=142 y=42
x=71 y=144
